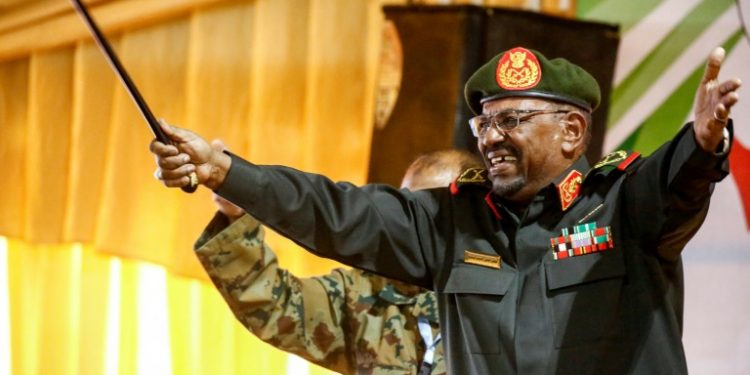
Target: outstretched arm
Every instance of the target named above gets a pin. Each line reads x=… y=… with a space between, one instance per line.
x=298 y=315
x=333 y=320
x=376 y=227
x=672 y=187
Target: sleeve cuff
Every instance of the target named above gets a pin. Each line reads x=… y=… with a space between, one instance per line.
x=243 y=183
x=219 y=232
x=711 y=166
x=723 y=148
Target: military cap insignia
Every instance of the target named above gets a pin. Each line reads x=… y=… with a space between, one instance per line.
x=518 y=69
x=518 y=72
x=471 y=176
x=586 y=239
x=569 y=188
x=482 y=259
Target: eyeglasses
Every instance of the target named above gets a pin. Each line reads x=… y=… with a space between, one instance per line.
x=507 y=120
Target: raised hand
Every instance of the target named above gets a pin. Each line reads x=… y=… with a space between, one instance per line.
x=713 y=103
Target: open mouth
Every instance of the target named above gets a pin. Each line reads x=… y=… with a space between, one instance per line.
x=502 y=161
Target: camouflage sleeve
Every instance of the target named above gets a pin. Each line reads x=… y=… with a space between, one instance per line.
x=300 y=316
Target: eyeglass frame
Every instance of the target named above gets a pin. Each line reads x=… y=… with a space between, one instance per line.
x=521 y=115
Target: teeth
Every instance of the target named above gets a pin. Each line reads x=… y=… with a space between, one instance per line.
x=501 y=159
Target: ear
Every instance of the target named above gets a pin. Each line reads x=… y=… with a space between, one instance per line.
x=574 y=128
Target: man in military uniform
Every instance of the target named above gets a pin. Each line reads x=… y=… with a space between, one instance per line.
x=349 y=321
x=542 y=264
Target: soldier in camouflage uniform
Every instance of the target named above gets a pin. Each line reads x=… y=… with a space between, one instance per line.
x=349 y=321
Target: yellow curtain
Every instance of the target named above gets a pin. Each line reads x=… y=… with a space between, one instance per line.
x=98 y=258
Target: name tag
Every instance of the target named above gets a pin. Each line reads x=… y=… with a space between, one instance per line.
x=480 y=259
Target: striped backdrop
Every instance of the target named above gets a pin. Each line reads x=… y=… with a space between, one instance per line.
x=660 y=62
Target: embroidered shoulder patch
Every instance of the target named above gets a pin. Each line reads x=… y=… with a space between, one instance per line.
x=619 y=159
x=471 y=176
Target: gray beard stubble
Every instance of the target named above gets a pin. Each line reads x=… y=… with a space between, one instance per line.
x=510 y=188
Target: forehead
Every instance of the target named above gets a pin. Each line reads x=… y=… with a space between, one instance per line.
x=499 y=105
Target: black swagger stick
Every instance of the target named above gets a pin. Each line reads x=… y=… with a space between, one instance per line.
x=114 y=62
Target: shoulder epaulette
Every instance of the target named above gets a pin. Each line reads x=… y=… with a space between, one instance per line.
x=616 y=160
x=471 y=177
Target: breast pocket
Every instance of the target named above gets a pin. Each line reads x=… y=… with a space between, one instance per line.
x=586 y=294
x=478 y=297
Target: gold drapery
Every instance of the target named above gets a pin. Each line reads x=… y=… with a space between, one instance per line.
x=77 y=147
x=280 y=81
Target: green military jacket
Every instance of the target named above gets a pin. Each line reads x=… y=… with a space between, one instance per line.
x=349 y=321
x=586 y=280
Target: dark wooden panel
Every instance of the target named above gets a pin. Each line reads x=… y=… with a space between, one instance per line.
x=444 y=45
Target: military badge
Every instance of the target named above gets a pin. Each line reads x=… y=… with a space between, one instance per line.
x=619 y=159
x=482 y=259
x=569 y=188
x=518 y=69
x=471 y=176
x=585 y=239
x=611 y=158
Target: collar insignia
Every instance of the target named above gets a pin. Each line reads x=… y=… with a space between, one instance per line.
x=471 y=176
x=569 y=188
x=611 y=158
x=518 y=69
x=619 y=159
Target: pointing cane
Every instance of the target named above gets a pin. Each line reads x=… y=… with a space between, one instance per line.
x=114 y=62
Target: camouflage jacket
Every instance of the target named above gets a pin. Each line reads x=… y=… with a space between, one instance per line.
x=349 y=321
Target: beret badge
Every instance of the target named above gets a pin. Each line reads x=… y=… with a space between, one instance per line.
x=518 y=69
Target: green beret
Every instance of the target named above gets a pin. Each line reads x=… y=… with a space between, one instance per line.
x=523 y=72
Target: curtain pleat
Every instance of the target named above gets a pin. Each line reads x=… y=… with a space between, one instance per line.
x=286 y=82
x=93 y=91
x=138 y=211
x=14 y=103
x=124 y=331
x=93 y=311
x=218 y=97
x=25 y=293
x=48 y=145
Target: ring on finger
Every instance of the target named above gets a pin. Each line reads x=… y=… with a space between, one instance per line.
x=193 y=179
x=716 y=117
x=157 y=174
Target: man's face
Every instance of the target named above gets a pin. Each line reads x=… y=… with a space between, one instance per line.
x=523 y=160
